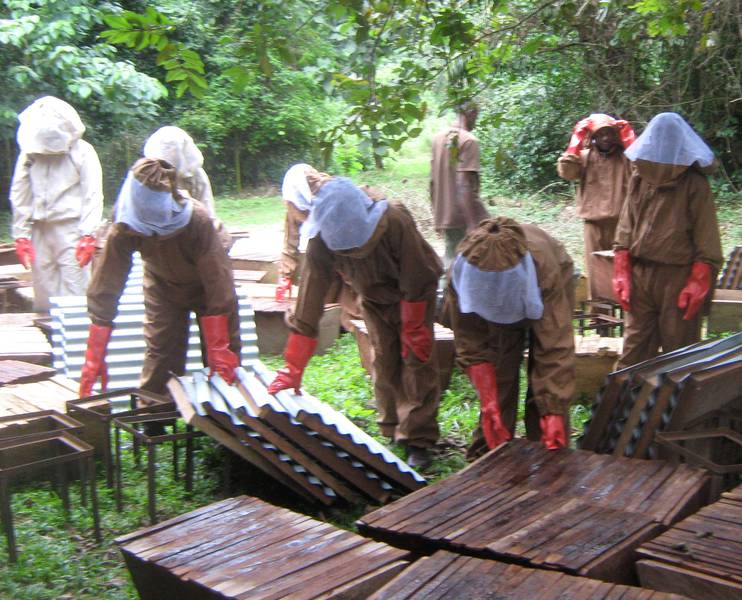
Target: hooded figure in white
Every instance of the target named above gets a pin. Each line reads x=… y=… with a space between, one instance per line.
x=57 y=200
x=178 y=148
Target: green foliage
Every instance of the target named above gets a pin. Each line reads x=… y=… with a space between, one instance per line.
x=150 y=29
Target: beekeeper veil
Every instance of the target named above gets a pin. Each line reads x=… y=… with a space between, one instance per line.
x=176 y=147
x=669 y=140
x=149 y=201
x=295 y=187
x=494 y=274
x=343 y=215
x=49 y=126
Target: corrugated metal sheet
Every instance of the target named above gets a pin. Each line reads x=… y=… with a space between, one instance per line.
x=70 y=323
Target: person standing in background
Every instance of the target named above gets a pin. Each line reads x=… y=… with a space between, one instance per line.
x=595 y=159
x=454 y=180
x=57 y=200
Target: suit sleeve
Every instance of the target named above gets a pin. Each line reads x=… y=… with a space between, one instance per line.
x=316 y=278
x=21 y=198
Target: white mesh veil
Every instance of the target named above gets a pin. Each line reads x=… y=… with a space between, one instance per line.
x=49 y=126
x=174 y=145
x=669 y=140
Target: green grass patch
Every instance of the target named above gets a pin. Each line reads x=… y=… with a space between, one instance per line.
x=253 y=210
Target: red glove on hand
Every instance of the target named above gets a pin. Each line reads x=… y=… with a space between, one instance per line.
x=553 y=432
x=696 y=289
x=416 y=336
x=85 y=250
x=95 y=360
x=622 y=278
x=578 y=136
x=283 y=289
x=625 y=133
x=220 y=358
x=24 y=251
x=483 y=378
x=299 y=350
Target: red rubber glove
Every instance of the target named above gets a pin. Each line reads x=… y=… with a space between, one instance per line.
x=696 y=289
x=220 y=358
x=416 y=336
x=85 y=250
x=578 y=136
x=483 y=378
x=553 y=432
x=24 y=251
x=299 y=350
x=283 y=289
x=95 y=360
x=625 y=133
x=622 y=278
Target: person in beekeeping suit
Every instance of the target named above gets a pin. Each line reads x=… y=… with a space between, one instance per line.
x=57 y=200
x=174 y=145
x=667 y=249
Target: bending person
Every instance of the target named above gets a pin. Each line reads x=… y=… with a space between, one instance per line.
x=378 y=250
x=185 y=269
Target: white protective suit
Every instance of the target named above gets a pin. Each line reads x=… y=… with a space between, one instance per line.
x=56 y=195
x=174 y=145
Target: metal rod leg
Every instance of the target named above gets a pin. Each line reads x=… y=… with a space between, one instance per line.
x=7 y=518
x=119 y=477
x=94 y=499
x=64 y=490
x=151 y=458
x=175 y=452
x=189 y=460
x=82 y=468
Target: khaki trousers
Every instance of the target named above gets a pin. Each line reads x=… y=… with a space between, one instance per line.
x=655 y=321
x=406 y=390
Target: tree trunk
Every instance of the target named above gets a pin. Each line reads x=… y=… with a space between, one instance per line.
x=237 y=166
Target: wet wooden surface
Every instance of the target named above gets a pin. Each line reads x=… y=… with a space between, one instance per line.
x=571 y=510
x=700 y=555
x=448 y=575
x=245 y=548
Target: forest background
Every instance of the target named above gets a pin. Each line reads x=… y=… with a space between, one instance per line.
x=342 y=84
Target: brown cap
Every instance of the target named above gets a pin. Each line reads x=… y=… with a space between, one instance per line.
x=496 y=244
x=156 y=174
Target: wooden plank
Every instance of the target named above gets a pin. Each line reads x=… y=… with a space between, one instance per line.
x=668 y=578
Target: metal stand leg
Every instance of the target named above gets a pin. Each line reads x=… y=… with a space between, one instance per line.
x=189 y=460
x=7 y=518
x=94 y=499
x=119 y=483
x=151 y=458
x=64 y=491
x=82 y=471
x=175 y=452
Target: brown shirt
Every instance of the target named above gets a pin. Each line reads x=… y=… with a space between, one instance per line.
x=395 y=264
x=603 y=181
x=455 y=151
x=553 y=355
x=672 y=223
x=189 y=267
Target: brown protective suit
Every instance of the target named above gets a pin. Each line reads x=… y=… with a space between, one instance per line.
x=667 y=223
x=187 y=270
x=454 y=185
x=395 y=264
x=551 y=346
x=603 y=181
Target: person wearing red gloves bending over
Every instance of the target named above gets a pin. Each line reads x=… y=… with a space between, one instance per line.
x=511 y=284
x=667 y=248
x=378 y=250
x=595 y=158
x=57 y=200
x=185 y=269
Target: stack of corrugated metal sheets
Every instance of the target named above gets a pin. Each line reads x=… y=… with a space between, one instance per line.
x=298 y=440
x=70 y=323
x=663 y=393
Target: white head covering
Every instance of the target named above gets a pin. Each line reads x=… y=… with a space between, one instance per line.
x=149 y=211
x=295 y=188
x=669 y=140
x=502 y=297
x=343 y=215
x=174 y=145
x=49 y=126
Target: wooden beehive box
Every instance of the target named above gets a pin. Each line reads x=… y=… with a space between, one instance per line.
x=245 y=548
x=569 y=510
